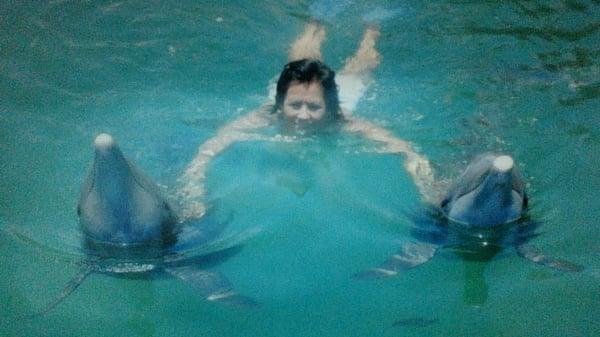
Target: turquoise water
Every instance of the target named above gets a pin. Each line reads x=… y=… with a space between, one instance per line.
x=457 y=78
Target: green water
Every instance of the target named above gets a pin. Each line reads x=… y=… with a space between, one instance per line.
x=457 y=78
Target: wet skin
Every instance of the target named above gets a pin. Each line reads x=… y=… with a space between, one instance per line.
x=304 y=103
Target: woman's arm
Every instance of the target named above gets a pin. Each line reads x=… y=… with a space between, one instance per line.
x=191 y=190
x=416 y=165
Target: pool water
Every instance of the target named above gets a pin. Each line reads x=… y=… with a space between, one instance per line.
x=457 y=78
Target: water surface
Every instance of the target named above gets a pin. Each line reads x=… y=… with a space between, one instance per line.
x=457 y=78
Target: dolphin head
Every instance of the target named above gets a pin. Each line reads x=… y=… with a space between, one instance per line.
x=489 y=193
x=119 y=204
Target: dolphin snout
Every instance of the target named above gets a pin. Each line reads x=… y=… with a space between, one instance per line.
x=503 y=163
x=490 y=192
x=104 y=142
x=119 y=204
x=501 y=172
x=109 y=158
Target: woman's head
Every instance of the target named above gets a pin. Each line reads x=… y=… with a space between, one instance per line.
x=307 y=92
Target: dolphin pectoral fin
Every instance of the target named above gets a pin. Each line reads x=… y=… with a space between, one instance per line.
x=374 y=273
x=409 y=256
x=212 y=286
x=68 y=289
x=534 y=255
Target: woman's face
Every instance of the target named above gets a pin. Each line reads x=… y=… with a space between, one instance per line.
x=304 y=103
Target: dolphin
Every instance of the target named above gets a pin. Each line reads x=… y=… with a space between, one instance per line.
x=119 y=204
x=488 y=193
x=129 y=229
x=483 y=212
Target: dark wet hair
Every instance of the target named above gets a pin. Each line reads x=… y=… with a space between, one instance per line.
x=306 y=71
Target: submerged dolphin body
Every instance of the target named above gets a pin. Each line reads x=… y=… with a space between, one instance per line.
x=129 y=229
x=483 y=212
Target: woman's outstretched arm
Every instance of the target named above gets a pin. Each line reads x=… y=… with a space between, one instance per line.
x=191 y=183
x=415 y=164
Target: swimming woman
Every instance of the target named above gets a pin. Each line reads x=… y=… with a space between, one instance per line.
x=307 y=99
